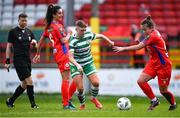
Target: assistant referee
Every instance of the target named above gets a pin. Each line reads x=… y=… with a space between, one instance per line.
x=20 y=38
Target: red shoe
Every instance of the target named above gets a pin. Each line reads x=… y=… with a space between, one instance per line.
x=97 y=103
x=82 y=107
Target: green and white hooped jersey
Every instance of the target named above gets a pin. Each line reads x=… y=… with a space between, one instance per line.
x=81 y=47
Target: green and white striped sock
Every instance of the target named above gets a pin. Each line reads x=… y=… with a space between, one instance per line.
x=94 y=91
x=81 y=97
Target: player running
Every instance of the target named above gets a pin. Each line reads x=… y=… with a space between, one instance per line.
x=158 y=65
x=55 y=32
x=82 y=61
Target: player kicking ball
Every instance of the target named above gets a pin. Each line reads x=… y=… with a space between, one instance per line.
x=158 y=65
x=81 y=61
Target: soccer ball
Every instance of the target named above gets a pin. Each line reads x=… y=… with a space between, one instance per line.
x=124 y=103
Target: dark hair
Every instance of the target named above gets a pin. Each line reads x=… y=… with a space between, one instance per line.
x=49 y=14
x=22 y=15
x=81 y=24
x=149 y=22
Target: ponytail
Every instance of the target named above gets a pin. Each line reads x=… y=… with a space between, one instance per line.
x=49 y=15
x=149 y=22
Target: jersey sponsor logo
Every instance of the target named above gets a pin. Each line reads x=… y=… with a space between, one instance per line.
x=67 y=65
x=73 y=70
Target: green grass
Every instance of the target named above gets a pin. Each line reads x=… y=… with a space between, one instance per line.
x=50 y=106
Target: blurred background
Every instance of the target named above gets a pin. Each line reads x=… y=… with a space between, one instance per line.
x=117 y=19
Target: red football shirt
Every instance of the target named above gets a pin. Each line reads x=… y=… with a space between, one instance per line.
x=55 y=32
x=157 y=49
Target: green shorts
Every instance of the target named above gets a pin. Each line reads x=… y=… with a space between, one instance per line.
x=87 y=69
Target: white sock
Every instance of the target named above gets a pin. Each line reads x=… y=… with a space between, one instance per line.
x=154 y=99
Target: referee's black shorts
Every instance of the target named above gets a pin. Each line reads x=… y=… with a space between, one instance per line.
x=23 y=67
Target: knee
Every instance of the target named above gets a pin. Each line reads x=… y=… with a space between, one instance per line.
x=95 y=83
x=24 y=85
x=163 y=90
x=139 y=81
x=29 y=81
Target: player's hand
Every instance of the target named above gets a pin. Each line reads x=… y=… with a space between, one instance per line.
x=118 y=49
x=69 y=31
x=34 y=43
x=36 y=59
x=111 y=43
x=7 y=66
x=79 y=67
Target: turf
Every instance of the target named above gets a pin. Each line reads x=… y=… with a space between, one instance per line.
x=50 y=106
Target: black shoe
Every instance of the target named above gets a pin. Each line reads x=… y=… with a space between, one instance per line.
x=172 y=107
x=154 y=104
x=9 y=104
x=34 y=106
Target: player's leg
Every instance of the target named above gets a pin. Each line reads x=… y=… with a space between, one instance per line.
x=72 y=90
x=20 y=89
x=164 y=76
x=147 y=74
x=142 y=82
x=90 y=71
x=169 y=97
x=30 y=92
x=65 y=90
x=95 y=89
x=78 y=80
x=65 y=73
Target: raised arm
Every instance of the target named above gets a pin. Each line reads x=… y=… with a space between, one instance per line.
x=66 y=39
x=128 y=48
x=101 y=36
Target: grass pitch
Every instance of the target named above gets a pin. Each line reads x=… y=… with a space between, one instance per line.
x=50 y=106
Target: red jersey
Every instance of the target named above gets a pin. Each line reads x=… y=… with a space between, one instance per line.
x=55 y=32
x=157 y=50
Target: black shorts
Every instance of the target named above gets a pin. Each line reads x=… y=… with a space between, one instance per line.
x=23 y=68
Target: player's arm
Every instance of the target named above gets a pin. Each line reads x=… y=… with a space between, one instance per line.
x=128 y=48
x=137 y=37
x=67 y=37
x=33 y=41
x=73 y=61
x=8 y=52
x=39 y=45
x=101 y=36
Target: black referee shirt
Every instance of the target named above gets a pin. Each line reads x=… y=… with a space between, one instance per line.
x=21 y=38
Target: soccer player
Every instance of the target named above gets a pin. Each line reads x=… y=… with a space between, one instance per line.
x=82 y=61
x=158 y=65
x=20 y=38
x=56 y=33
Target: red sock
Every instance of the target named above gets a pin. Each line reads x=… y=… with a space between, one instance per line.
x=169 y=96
x=65 y=92
x=72 y=89
x=147 y=90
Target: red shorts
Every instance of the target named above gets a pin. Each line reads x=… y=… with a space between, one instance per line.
x=64 y=66
x=163 y=73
